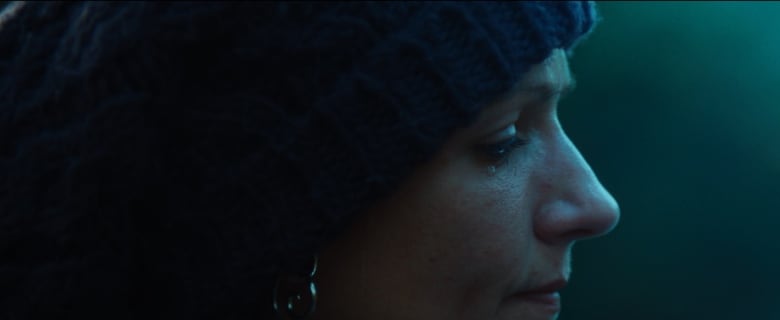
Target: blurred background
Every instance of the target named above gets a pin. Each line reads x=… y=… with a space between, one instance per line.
x=678 y=111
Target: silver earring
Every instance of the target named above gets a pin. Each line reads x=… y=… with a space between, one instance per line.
x=298 y=295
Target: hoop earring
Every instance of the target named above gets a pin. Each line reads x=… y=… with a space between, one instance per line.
x=300 y=293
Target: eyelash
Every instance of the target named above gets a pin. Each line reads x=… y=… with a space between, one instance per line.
x=499 y=152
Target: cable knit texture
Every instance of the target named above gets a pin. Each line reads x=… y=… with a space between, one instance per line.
x=166 y=160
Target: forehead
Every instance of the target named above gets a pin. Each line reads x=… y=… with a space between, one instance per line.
x=550 y=78
x=542 y=83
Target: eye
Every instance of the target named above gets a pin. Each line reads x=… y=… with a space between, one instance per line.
x=498 y=152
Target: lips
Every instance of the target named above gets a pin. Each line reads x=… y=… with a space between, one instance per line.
x=544 y=297
x=552 y=286
x=546 y=300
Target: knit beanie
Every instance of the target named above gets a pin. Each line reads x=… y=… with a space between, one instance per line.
x=169 y=159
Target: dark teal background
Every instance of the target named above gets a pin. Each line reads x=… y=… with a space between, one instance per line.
x=677 y=110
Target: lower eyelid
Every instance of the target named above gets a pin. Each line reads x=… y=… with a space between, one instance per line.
x=502 y=149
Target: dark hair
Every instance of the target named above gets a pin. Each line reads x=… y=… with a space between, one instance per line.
x=113 y=200
x=146 y=159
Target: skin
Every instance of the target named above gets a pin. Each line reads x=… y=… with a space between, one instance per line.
x=459 y=240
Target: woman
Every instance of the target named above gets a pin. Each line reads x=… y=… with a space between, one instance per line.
x=299 y=161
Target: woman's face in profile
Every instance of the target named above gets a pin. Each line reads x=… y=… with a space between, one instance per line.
x=484 y=230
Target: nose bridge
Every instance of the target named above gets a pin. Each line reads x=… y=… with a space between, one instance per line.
x=577 y=170
x=577 y=205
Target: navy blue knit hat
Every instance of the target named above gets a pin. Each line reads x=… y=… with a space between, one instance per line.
x=171 y=158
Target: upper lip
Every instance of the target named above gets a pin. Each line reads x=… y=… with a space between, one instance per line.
x=546 y=287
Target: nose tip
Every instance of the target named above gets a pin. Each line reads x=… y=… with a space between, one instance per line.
x=599 y=215
x=593 y=213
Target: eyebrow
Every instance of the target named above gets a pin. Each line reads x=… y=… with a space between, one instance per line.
x=540 y=92
x=544 y=91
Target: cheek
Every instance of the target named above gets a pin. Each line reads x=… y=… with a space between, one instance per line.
x=486 y=239
x=450 y=249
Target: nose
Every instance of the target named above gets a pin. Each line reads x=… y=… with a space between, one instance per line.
x=575 y=205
